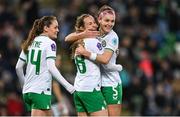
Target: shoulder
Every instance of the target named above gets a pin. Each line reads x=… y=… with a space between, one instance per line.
x=47 y=42
x=93 y=43
x=45 y=39
x=113 y=34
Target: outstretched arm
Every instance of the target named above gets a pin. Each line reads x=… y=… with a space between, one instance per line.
x=56 y=74
x=81 y=35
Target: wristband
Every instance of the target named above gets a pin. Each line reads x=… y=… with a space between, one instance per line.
x=93 y=56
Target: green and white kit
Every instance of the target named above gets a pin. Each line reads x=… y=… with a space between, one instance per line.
x=88 y=97
x=38 y=78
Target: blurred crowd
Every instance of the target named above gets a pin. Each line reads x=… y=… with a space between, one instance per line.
x=149 y=50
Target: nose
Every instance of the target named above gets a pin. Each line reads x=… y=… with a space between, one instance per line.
x=95 y=25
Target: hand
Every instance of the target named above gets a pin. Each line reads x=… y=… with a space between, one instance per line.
x=60 y=106
x=80 y=50
x=91 y=34
x=120 y=67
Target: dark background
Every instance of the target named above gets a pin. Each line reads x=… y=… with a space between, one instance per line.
x=149 y=33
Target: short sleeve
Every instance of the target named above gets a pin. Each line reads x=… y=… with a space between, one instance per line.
x=23 y=56
x=51 y=51
x=112 y=44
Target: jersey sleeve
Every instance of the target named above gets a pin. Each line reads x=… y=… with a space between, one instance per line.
x=112 y=43
x=51 y=51
x=23 y=56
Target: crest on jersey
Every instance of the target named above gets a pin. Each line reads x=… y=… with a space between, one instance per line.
x=99 y=46
x=114 y=41
x=103 y=43
x=53 y=47
x=117 y=52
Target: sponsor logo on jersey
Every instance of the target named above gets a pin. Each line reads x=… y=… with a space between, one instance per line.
x=99 y=46
x=53 y=47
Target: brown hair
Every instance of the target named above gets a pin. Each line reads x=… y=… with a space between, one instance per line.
x=75 y=45
x=80 y=22
x=36 y=30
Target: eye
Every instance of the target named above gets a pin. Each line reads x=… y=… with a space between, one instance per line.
x=107 y=20
x=112 y=21
x=90 y=23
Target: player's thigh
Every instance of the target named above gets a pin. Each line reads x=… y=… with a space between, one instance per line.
x=100 y=113
x=112 y=95
x=92 y=101
x=37 y=112
x=82 y=114
x=114 y=109
x=37 y=101
x=27 y=101
x=80 y=108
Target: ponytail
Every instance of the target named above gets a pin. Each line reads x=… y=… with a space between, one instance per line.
x=32 y=34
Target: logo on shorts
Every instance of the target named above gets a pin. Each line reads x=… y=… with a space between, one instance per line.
x=103 y=108
x=53 y=47
x=47 y=107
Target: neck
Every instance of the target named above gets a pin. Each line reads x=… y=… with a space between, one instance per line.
x=44 y=34
x=102 y=33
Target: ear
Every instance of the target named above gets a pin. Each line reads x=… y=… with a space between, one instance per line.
x=99 y=19
x=45 y=28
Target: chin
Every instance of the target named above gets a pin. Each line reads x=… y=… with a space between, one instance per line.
x=53 y=38
x=106 y=31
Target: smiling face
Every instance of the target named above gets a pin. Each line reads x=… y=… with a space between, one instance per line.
x=52 y=30
x=106 y=21
x=90 y=24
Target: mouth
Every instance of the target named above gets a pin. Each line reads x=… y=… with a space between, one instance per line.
x=108 y=28
x=92 y=29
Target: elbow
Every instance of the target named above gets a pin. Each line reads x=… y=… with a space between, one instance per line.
x=66 y=39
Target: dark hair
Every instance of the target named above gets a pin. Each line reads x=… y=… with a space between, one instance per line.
x=80 y=22
x=36 y=30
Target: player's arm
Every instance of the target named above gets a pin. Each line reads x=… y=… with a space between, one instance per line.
x=112 y=67
x=57 y=90
x=81 y=35
x=100 y=58
x=74 y=37
x=19 y=70
x=57 y=75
